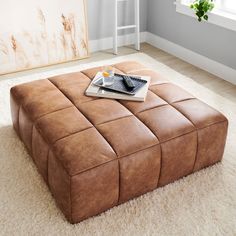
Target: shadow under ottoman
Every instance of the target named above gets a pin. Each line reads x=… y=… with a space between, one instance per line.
x=97 y=153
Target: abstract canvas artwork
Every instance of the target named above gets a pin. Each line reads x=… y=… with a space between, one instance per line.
x=38 y=33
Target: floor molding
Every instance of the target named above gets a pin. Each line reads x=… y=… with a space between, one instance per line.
x=209 y=65
x=107 y=43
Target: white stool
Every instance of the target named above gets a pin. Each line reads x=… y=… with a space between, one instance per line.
x=136 y=26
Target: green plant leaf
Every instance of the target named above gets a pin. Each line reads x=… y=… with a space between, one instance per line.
x=201 y=8
x=205 y=17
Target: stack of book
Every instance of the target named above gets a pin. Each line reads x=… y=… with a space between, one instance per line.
x=124 y=87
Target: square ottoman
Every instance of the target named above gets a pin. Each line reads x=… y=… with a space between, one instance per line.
x=96 y=153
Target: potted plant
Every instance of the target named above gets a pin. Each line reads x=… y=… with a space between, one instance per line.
x=201 y=8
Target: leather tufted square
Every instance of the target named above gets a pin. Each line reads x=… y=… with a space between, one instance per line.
x=71 y=79
x=166 y=122
x=74 y=90
x=101 y=111
x=139 y=173
x=28 y=91
x=40 y=151
x=34 y=97
x=98 y=186
x=91 y=73
x=200 y=114
x=39 y=106
x=127 y=135
x=62 y=123
x=96 y=153
x=152 y=101
x=211 y=136
x=178 y=158
x=130 y=67
x=83 y=150
x=170 y=92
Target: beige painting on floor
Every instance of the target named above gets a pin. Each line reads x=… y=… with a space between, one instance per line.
x=38 y=33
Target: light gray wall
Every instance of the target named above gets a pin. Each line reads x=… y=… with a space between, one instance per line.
x=160 y=17
x=207 y=39
x=100 y=17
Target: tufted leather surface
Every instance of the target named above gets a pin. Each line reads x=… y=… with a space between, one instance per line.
x=96 y=153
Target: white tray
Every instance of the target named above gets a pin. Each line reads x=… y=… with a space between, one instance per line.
x=96 y=91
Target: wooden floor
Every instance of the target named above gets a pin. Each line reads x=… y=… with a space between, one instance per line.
x=210 y=81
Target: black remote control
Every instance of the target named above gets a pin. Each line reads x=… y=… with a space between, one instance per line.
x=128 y=82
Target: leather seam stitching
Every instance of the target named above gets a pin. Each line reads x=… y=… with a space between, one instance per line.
x=208 y=126
x=140 y=121
x=49 y=149
x=48 y=145
x=140 y=112
x=195 y=159
x=31 y=135
x=13 y=94
x=32 y=140
x=149 y=128
x=70 y=177
x=106 y=122
x=88 y=169
x=132 y=71
x=49 y=113
x=193 y=131
x=135 y=114
x=86 y=75
x=118 y=158
x=71 y=134
x=118 y=200
x=18 y=121
x=158 y=83
x=111 y=145
x=95 y=99
x=196 y=129
x=184 y=100
x=160 y=171
x=42 y=136
x=160 y=143
x=87 y=119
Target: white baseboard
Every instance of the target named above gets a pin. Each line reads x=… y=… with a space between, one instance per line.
x=211 y=66
x=107 y=43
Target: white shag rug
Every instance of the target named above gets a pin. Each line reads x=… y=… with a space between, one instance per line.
x=201 y=204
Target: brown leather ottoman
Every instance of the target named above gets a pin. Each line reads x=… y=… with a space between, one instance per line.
x=97 y=153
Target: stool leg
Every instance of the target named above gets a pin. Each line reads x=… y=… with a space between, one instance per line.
x=115 y=36
x=137 y=23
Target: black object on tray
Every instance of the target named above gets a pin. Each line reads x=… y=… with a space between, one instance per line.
x=120 y=86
